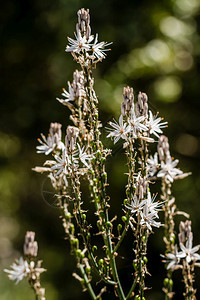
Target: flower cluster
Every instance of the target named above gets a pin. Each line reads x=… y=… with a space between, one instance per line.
x=66 y=156
x=162 y=165
x=28 y=267
x=85 y=43
x=75 y=90
x=136 y=121
x=146 y=209
x=52 y=141
x=187 y=252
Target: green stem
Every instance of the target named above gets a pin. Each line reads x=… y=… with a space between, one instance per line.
x=132 y=288
x=86 y=281
x=99 y=169
x=122 y=236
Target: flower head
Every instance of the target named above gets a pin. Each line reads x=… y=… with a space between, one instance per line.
x=118 y=131
x=61 y=163
x=189 y=252
x=136 y=205
x=79 y=44
x=152 y=164
x=98 y=49
x=173 y=259
x=150 y=212
x=20 y=269
x=47 y=144
x=69 y=96
x=154 y=125
x=83 y=156
x=135 y=122
x=52 y=141
x=169 y=170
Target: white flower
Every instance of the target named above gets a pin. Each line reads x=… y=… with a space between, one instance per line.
x=52 y=141
x=84 y=157
x=61 y=163
x=70 y=95
x=118 y=130
x=47 y=144
x=98 y=49
x=168 y=169
x=173 y=259
x=154 y=124
x=136 y=122
x=79 y=44
x=152 y=164
x=20 y=269
x=136 y=205
x=188 y=252
x=150 y=212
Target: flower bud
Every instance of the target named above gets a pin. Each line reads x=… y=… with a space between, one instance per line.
x=30 y=245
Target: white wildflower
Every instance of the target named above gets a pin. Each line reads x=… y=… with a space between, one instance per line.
x=169 y=170
x=52 y=141
x=136 y=205
x=173 y=259
x=81 y=43
x=47 y=144
x=135 y=122
x=61 y=163
x=150 y=212
x=154 y=125
x=69 y=96
x=20 y=269
x=98 y=49
x=189 y=252
x=84 y=157
x=118 y=130
x=152 y=164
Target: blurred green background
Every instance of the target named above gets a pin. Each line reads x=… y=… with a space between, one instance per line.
x=156 y=49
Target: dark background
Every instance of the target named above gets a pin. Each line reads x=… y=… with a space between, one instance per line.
x=156 y=47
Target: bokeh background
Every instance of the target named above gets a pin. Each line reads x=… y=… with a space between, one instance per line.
x=156 y=49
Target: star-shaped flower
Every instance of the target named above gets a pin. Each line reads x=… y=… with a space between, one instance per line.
x=189 y=252
x=152 y=164
x=79 y=44
x=20 y=269
x=169 y=170
x=154 y=125
x=98 y=49
x=118 y=131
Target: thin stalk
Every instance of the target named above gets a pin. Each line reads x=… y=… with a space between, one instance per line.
x=122 y=236
x=169 y=235
x=86 y=281
x=76 y=188
x=99 y=169
x=132 y=288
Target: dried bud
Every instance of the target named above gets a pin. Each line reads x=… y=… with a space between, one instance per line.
x=30 y=245
x=83 y=24
x=128 y=100
x=163 y=148
x=71 y=136
x=142 y=105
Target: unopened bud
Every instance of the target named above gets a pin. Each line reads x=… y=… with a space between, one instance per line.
x=163 y=148
x=142 y=105
x=128 y=97
x=71 y=136
x=84 y=22
x=30 y=245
